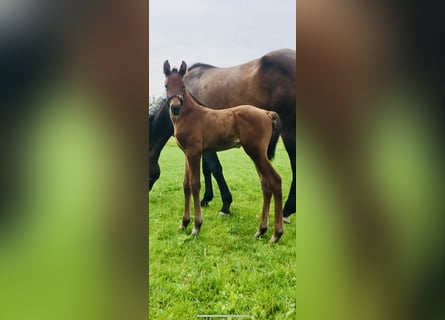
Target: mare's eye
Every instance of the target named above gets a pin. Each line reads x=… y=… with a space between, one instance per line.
x=183 y=87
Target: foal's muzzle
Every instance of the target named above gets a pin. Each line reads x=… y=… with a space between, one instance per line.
x=175 y=108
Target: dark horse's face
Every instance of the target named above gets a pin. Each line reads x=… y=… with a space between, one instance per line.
x=174 y=85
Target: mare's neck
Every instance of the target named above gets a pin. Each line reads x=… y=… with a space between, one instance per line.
x=161 y=131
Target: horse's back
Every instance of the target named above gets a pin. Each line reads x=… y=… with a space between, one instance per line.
x=252 y=117
x=277 y=77
x=282 y=60
x=267 y=82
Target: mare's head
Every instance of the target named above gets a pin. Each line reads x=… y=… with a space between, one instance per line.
x=174 y=86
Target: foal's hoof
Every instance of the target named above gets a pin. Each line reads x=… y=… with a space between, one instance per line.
x=196 y=229
x=183 y=225
x=276 y=237
x=194 y=233
x=286 y=220
x=205 y=203
x=260 y=232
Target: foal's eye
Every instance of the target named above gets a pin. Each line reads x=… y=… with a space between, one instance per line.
x=183 y=87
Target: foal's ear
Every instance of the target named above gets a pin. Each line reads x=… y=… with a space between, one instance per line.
x=183 y=69
x=167 y=70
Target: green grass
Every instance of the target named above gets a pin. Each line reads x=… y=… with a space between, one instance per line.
x=226 y=270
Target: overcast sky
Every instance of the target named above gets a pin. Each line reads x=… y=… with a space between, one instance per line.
x=219 y=32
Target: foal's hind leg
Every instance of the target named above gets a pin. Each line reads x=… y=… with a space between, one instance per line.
x=187 y=193
x=267 y=195
x=278 y=204
x=271 y=184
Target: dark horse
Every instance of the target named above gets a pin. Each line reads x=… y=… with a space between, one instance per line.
x=199 y=129
x=268 y=83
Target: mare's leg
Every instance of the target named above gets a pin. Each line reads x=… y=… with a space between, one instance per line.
x=186 y=187
x=194 y=159
x=288 y=138
x=208 y=193
x=215 y=167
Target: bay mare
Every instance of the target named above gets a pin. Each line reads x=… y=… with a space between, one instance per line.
x=199 y=129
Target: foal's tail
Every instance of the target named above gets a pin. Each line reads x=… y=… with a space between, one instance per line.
x=276 y=130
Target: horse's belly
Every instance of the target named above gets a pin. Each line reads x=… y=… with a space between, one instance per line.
x=220 y=145
x=234 y=144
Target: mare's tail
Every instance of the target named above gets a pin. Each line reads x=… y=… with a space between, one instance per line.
x=276 y=130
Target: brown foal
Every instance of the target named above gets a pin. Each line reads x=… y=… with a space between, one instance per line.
x=198 y=129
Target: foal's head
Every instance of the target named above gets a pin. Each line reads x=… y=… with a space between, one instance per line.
x=174 y=85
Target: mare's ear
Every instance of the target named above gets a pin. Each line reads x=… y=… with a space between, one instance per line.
x=183 y=69
x=167 y=70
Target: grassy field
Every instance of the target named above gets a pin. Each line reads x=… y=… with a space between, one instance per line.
x=226 y=270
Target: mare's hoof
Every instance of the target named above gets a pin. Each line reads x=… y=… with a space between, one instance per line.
x=204 y=203
x=224 y=214
x=286 y=220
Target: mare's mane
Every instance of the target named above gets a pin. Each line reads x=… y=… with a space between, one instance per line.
x=201 y=65
x=154 y=109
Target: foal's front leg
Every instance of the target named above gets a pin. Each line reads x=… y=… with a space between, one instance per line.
x=194 y=160
x=186 y=187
